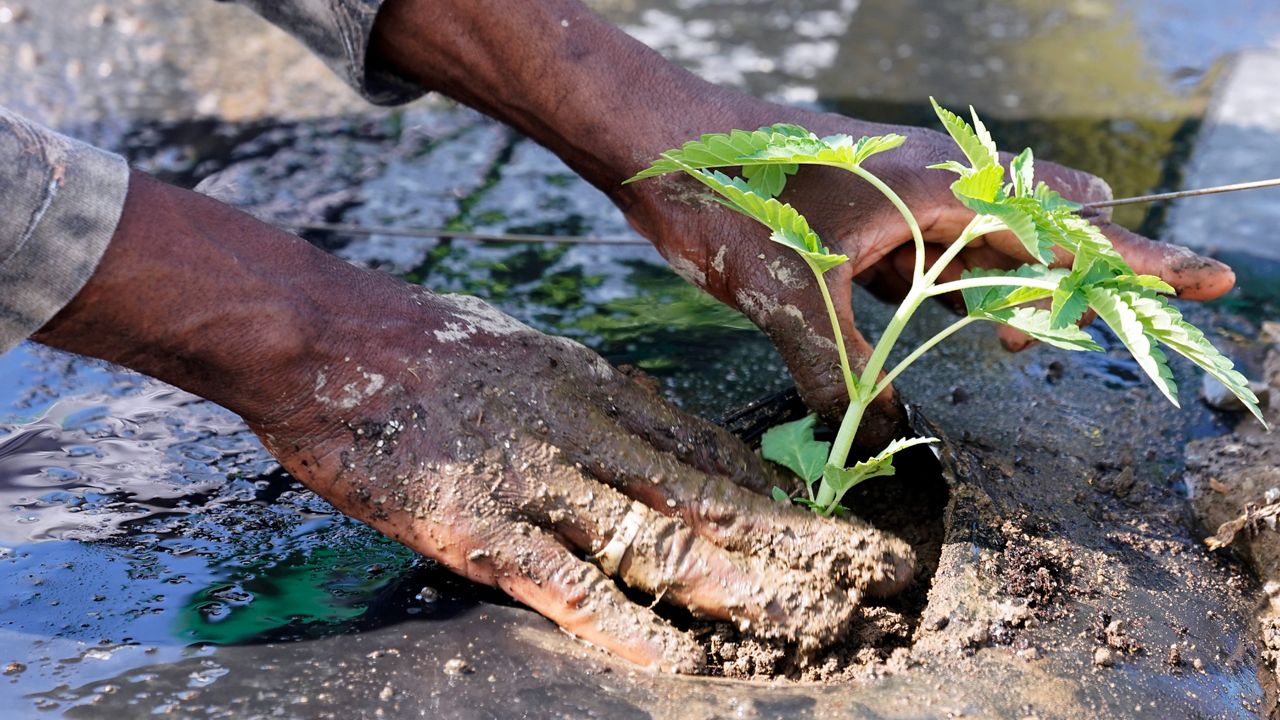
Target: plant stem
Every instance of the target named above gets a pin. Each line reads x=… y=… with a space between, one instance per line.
x=843 y=442
x=888 y=192
x=915 y=355
x=975 y=228
x=1000 y=281
x=850 y=384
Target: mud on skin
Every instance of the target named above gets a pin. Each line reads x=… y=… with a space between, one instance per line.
x=513 y=457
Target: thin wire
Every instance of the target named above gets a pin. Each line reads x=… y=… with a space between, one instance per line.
x=1185 y=193
x=465 y=234
x=433 y=233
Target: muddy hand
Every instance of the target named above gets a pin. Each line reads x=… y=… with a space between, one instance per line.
x=732 y=258
x=526 y=462
x=517 y=459
x=608 y=106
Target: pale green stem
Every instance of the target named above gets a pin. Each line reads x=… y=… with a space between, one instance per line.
x=998 y=281
x=850 y=384
x=928 y=345
x=975 y=228
x=844 y=439
x=919 y=291
x=888 y=192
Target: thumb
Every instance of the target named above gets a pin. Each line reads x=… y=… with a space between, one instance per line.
x=794 y=317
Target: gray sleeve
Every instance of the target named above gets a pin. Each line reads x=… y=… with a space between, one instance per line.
x=338 y=31
x=62 y=202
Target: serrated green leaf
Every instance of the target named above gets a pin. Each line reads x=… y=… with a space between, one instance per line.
x=880 y=465
x=788 y=130
x=1038 y=323
x=1070 y=301
x=716 y=150
x=1163 y=322
x=984 y=185
x=1017 y=220
x=1000 y=297
x=842 y=480
x=1115 y=310
x=1082 y=239
x=984 y=136
x=1023 y=169
x=874 y=145
x=1068 y=306
x=792 y=446
x=769 y=180
x=953 y=166
x=978 y=153
x=1051 y=200
x=789 y=226
x=1139 y=283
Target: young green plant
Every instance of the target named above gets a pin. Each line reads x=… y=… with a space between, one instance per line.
x=1134 y=306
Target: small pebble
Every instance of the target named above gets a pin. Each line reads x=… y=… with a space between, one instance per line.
x=14 y=668
x=1198 y=664
x=457 y=666
x=1102 y=657
x=387 y=693
x=1217 y=396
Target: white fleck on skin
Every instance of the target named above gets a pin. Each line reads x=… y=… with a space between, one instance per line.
x=763 y=306
x=718 y=261
x=455 y=332
x=351 y=394
x=686 y=269
x=476 y=315
x=784 y=274
x=765 y=310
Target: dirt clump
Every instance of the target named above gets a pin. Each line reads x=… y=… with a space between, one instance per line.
x=910 y=505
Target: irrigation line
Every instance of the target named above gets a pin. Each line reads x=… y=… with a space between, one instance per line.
x=442 y=233
x=1185 y=193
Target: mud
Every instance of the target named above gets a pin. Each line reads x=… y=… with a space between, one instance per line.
x=910 y=506
x=1234 y=482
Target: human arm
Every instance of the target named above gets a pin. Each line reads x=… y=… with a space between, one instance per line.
x=608 y=106
x=512 y=457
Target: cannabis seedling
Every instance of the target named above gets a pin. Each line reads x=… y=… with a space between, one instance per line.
x=1132 y=305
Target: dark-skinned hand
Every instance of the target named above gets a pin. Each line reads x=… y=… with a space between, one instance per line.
x=608 y=106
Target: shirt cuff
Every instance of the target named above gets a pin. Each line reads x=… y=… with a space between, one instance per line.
x=338 y=32
x=63 y=202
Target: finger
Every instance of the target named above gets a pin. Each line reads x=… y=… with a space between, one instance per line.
x=716 y=507
x=1012 y=339
x=660 y=555
x=534 y=568
x=795 y=318
x=1194 y=276
x=885 y=284
x=644 y=417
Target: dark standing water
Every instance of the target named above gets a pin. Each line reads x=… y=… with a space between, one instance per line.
x=155 y=559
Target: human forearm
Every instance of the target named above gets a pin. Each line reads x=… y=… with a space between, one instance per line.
x=204 y=297
x=602 y=101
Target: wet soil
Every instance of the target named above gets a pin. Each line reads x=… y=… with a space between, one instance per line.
x=1234 y=482
x=911 y=506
